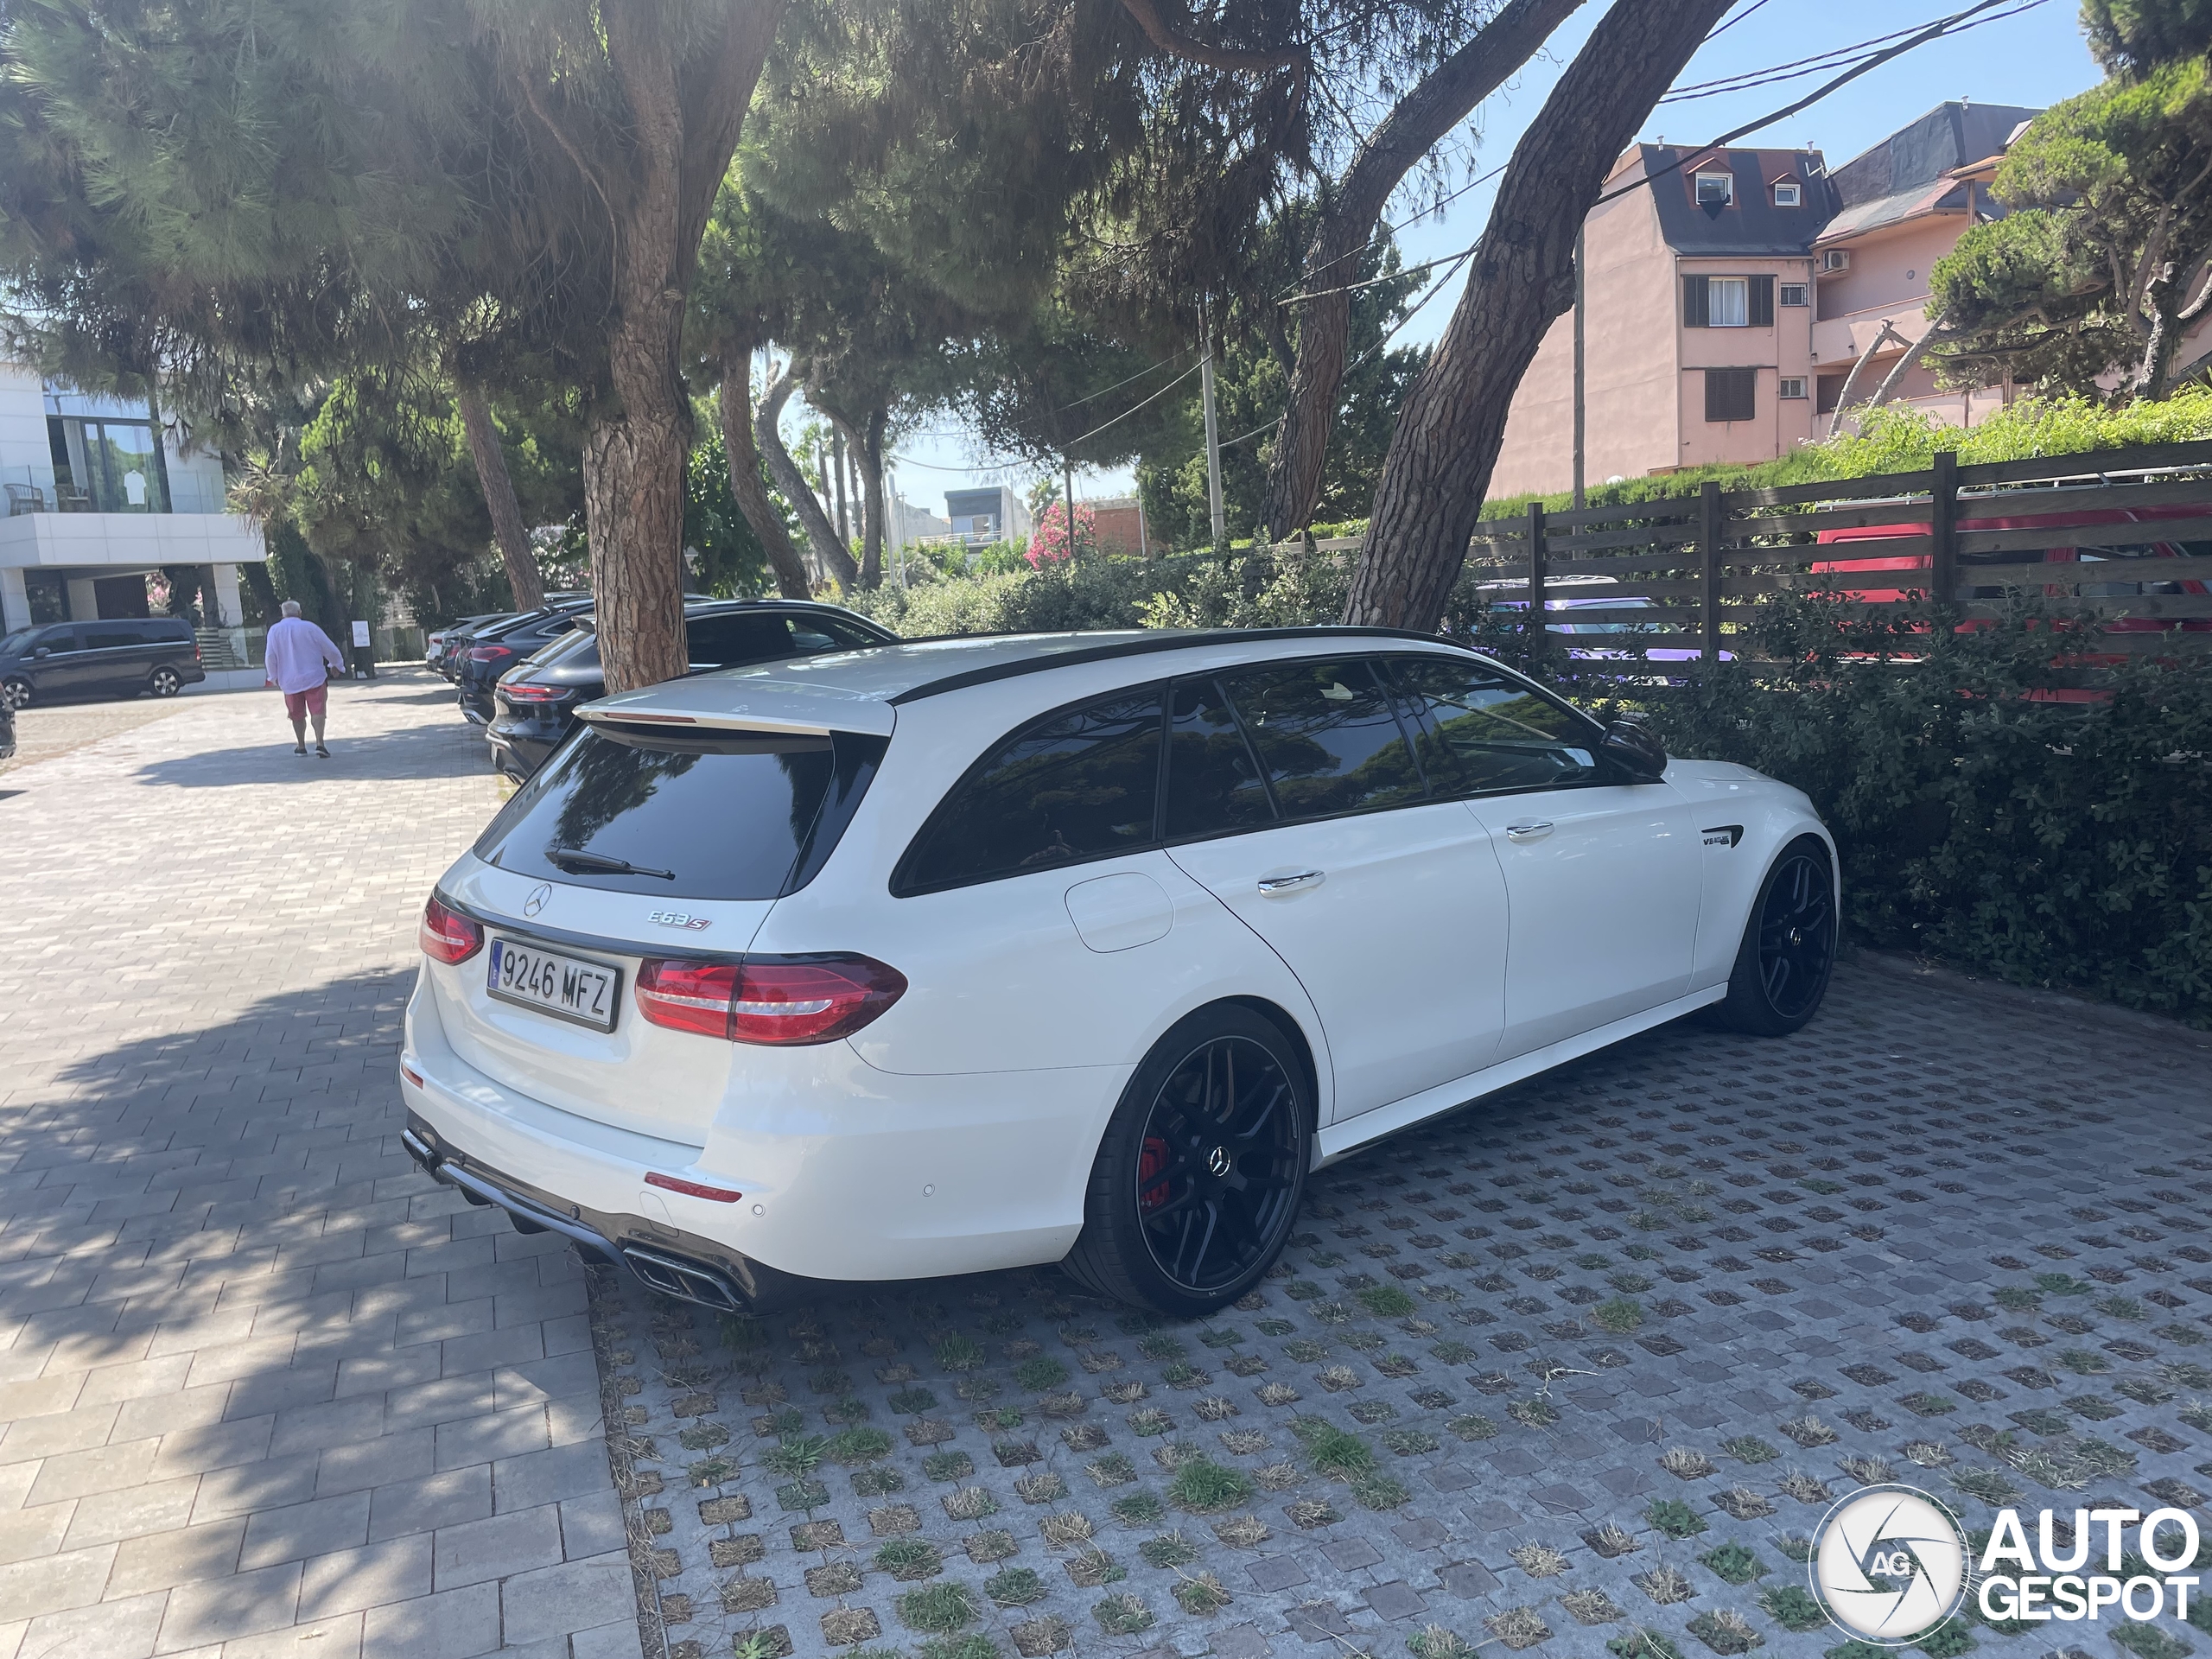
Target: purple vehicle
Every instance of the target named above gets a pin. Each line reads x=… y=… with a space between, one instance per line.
x=1588 y=601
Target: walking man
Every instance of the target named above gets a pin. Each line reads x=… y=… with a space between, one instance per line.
x=295 y=660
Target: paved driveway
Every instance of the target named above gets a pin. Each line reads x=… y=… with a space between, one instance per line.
x=1587 y=1361
x=267 y=1390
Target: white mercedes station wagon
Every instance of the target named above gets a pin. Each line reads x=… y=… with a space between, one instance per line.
x=1082 y=948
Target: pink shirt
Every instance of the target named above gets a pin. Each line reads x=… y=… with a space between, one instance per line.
x=296 y=653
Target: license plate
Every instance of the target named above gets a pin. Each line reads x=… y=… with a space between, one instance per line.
x=568 y=988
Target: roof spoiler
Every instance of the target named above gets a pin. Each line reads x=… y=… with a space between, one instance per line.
x=716 y=703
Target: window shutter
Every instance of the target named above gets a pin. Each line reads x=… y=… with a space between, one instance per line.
x=1728 y=394
x=1762 y=302
x=1697 y=302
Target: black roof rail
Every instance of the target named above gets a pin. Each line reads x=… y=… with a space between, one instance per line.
x=1141 y=647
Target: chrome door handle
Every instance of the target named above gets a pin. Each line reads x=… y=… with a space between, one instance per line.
x=1272 y=884
x=1534 y=830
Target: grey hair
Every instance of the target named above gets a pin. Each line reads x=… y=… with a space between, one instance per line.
x=291 y=607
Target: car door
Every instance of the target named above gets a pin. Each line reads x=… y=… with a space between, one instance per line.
x=1294 y=797
x=121 y=657
x=71 y=669
x=1603 y=876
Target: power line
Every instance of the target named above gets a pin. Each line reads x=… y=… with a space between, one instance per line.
x=1723 y=29
x=1443 y=202
x=1797 y=69
x=1932 y=31
x=1939 y=27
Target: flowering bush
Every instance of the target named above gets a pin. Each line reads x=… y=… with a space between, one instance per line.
x=1048 y=543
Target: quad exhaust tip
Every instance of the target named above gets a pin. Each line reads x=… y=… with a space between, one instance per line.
x=688 y=1281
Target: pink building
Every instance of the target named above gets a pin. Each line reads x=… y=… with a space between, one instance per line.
x=1698 y=313
x=1711 y=331
x=1901 y=206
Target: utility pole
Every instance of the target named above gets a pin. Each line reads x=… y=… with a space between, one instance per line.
x=1067 y=486
x=1581 y=410
x=1213 y=438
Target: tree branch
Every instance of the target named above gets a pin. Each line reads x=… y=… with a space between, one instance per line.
x=1175 y=42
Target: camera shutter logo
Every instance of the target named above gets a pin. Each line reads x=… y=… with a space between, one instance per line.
x=1889 y=1563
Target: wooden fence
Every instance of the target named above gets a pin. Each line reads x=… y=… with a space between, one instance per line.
x=2121 y=535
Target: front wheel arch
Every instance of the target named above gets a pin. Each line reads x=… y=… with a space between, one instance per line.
x=1749 y=1007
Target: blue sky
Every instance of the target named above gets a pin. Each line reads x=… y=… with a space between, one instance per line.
x=2035 y=58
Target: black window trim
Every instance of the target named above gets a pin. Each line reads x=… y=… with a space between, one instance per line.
x=1165 y=688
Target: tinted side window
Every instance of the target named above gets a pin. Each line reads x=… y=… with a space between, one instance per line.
x=721 y=641
x=113 y=638
x=841 y=634
x=1076 y=785
x=1327 y=736
x=1212 y=784
x=1482 y=731
x=57 y=641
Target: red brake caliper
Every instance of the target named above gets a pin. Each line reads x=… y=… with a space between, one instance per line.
x=1152 y=1193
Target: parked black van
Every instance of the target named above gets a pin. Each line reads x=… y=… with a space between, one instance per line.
x=116 y=659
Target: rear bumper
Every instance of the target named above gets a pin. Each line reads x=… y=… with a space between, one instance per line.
x=521 y=748
x=666 y=1259
x=848 y=1174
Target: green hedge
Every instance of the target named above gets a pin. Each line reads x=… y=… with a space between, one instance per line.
x=2048 y=844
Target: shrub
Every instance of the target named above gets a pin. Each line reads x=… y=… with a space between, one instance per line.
x=2045 y=843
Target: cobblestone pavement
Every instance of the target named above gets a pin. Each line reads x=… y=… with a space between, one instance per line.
x=267 y=1390
x=48 y=730
x=1588 y=1360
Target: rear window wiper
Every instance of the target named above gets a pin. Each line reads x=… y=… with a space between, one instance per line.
x=575 y=860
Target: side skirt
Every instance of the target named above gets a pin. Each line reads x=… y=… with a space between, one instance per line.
x=1340 y=1138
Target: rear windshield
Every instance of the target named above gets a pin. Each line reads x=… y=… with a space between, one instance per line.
x=736 y=816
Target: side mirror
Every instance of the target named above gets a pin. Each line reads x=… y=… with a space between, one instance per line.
x=43 y=650
x=1636 y=751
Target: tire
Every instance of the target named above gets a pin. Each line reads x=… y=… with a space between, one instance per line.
x=16 y=694
x=1788 y=951
x=1155 y=1165
x=165 y=682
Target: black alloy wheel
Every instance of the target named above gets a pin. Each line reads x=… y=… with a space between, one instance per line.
x=1790 y=946
x=1796 y=935
x=1201 y=1171
x=1218 y=1173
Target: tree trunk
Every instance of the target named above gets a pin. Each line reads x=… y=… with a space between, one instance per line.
x=685 y=107
x=515 y=550
x=1522 y=278
x=1895 y=377
x=745 y=484
x=1414 y=127
x=837 y=474
x=830 y=558
x=868 y=456
x=1887 y=331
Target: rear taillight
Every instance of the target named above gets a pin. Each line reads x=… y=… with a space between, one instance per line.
x=533 y=693
x=448 y=936
x=784 y=1002
x=488 y=654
